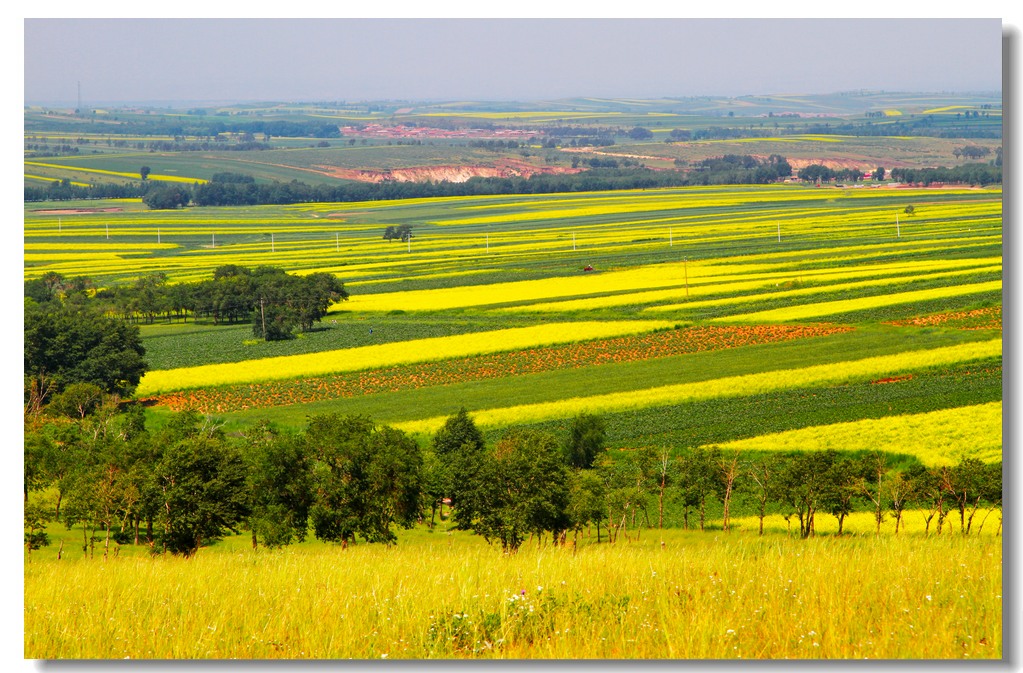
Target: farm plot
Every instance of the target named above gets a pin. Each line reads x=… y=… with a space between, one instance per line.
x=368 y=357
x=558 y=234
x=731 y=386
x=513 y=363
x=942 y=437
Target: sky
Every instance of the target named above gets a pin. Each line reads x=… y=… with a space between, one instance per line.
x=162 y=61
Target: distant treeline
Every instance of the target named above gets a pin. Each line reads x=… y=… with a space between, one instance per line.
x=63 y=190
x=196 y=126
x=970 y=174
x=233 y=191
x=926 y=125
x=605 y=174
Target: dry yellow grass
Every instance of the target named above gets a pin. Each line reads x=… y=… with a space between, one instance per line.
x=699 y=596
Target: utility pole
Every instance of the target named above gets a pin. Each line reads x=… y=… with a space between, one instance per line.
x=898 y=232
x=262 y=317
x=779 y=232
x=573 y=241
x=107 y=225
x=669 y=237
x=272 y=243
x=214 y=240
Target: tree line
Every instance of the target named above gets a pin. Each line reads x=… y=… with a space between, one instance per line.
x=966 y=174
x=187 y=484
x=200 y=126
x=737 y=169
x=605 y=174
x=275 y=302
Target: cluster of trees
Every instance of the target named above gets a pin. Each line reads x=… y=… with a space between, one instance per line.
x=187 y=484
x=68 y=345
x=579 y=136
x=202 y=126
x=935 y=126
x=739 y=169
x=63 y=190
x=495 y=144
x=275 y=302
x=222 y=194
x=401 y=232
x=971 y=152
x=821 y=173
x=968 y=174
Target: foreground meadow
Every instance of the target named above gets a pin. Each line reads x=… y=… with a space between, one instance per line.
x=442 y=595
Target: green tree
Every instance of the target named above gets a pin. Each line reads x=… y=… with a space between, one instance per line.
x=762 y=476
x=37 y=515
x=586 y=440
x=805 y=484
x=144 y=173
x=873 y=470
x=459 y=447
x=586 y=501
x=77 y=400
x=365 y=479
x=697 y=482
x=845 y=489
x=203 y=491
x=78 y=346
x=967 y=483
x=166 y=198
x=279 y=483
x=521 y=488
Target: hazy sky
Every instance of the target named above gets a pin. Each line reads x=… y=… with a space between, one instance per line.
x=163 y=60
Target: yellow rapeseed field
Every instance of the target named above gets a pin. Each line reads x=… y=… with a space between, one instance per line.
x=818 y=310
x=943 y=437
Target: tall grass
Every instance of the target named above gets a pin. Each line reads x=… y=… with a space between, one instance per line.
x=697 y=595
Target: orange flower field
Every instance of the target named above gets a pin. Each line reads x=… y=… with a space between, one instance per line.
x=981 y=318
x=497 y=365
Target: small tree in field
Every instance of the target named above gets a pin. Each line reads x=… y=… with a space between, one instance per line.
x=521 y=489
x=202 y=482
x=586 y=440
x=36 y=517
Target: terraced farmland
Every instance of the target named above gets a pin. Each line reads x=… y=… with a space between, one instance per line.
x=430 y=323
